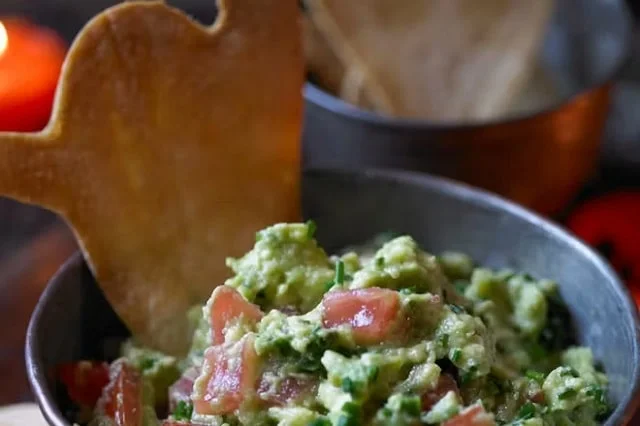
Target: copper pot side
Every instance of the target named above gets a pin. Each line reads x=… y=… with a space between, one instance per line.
x=540 y=162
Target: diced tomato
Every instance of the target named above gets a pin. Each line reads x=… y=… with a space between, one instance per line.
x=287 y=389
x=372 y=313
x=229 y=375
x=226 y=305
x=182 y=388
x=537 y=397
x=445 y=384
x=121 y=399
x=472 y=416
x=290 y=389
x=84 y=380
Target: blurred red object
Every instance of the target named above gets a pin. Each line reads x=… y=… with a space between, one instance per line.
x=30 y=62
x=84 y=381
x=611 y=224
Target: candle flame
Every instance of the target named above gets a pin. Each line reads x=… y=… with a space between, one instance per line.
x=4 y=39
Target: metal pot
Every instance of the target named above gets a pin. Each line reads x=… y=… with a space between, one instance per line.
x=540 y=160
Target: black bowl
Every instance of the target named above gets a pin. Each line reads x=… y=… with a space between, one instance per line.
x=73 y=321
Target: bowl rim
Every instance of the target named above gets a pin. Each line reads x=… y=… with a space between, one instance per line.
x=33 y=353
x=467 y=193
x=316 y=95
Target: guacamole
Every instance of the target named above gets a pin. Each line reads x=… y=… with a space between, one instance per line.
x=383 y=334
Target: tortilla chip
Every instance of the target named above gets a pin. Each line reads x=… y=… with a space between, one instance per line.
x=329 y=72
x=321 y=61
x=353 y=85
x=439 y=59
x=353 y=89
x=170 y=144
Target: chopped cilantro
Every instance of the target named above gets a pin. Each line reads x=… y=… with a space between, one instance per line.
x=456 y=309
x=309 y=365
x=345 y=420
x=311 y=229
x=349 y=385
x=183 y=411
x=329 y=285
x=411 y=405
x=386 y=412
x=380 y=262
x=444 y=340
x=568 y=393
x=595 y=392
x=350 y=415
x=535 y=375
x=351 y=408
x=568 y=371
x=320 y=421
x=147 y=363
x=283 y=345
x=559 y=331
x=527 y=411
x=460 y=285
x=372 y=372
x=505 y=275
x=598 y=394
x=455 y=355
x=468 y=375
x=309 y=361
x=339 y=278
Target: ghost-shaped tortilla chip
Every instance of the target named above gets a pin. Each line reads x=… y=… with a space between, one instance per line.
x=170 y=144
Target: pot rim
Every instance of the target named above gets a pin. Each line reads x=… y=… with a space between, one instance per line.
x=33 y=352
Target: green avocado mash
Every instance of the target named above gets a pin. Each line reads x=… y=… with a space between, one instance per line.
x=384 y=334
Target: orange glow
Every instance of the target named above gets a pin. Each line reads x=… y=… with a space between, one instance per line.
x=30 y=61
x=4 y=39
